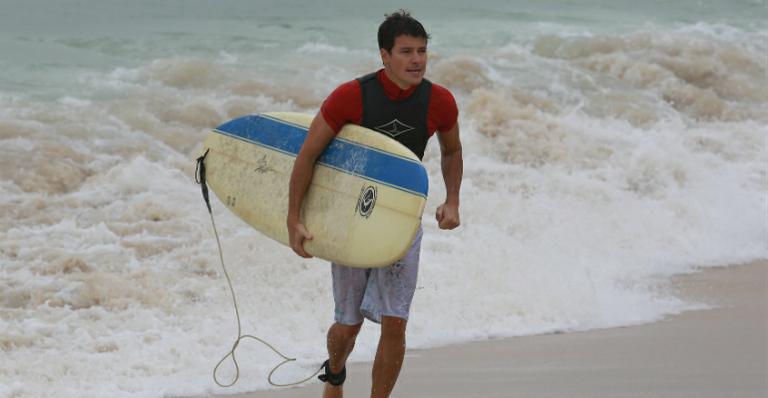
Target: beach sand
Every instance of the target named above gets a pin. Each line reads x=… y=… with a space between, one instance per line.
x=720 y=352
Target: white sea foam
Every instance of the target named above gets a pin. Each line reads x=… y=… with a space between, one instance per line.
x=596 y=166
x=322 y=48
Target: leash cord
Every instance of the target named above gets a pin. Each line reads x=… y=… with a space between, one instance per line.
x=200 y=179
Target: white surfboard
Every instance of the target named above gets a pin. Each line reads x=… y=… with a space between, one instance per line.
x=364 y=204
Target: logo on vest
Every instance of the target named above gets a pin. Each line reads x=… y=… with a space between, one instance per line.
x=394 y=128
x=366 y=201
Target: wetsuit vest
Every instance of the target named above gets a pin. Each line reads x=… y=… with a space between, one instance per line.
x=403 y=120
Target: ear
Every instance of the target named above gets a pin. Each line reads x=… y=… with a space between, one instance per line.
x=384 y=56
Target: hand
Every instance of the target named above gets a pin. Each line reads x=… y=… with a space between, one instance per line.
x=447 y=216
x=297 y=234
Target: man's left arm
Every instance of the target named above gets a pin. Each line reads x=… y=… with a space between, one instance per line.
x=452 y=164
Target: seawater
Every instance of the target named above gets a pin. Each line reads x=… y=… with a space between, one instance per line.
x=608 y=145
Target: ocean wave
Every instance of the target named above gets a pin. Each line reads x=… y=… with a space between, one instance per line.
x=595 y=166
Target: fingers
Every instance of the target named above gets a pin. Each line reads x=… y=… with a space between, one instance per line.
x=298 y=234
x=304 y=232
x=449 y=223
x=447 y=217
x=298 y=248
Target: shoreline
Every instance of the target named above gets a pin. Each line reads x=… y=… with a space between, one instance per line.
x=716 y=352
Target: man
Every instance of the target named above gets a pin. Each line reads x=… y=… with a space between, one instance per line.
x=399 y=102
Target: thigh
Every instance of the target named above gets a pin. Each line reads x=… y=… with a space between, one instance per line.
x=390 y=289
x=349 y=285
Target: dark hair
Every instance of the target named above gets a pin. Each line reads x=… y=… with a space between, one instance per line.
x=396 y=24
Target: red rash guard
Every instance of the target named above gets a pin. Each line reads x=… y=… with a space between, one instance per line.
x=345 y=104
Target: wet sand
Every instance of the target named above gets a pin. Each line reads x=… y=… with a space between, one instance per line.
x=720 y=352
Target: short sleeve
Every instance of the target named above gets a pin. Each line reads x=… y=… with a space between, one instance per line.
x=344 y=105
x=442 y=109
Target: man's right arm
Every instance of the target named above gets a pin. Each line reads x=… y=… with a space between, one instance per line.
x=319 y=136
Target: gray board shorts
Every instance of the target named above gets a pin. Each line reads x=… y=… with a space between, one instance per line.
x=376 y=292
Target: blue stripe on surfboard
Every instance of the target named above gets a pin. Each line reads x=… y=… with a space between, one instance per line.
x=389 y=169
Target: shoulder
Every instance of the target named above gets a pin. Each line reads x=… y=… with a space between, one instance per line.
x=442 y=95
x=343 y=105
x=345 y=91
x=442 y=108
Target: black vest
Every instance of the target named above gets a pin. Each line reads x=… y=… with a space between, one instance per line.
x=403 y=120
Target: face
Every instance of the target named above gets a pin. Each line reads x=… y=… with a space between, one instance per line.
x=407 y=62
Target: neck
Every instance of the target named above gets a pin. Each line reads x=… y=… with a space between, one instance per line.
x=402 y=85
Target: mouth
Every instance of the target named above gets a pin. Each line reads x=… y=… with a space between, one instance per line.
x=414 y=71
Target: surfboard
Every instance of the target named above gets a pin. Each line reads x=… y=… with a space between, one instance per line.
x=363 y=206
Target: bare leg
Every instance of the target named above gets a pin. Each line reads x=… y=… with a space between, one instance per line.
x=341 y=341
x=389 y=356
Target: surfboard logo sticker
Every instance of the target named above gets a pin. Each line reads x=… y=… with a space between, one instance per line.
x=367 y=201
x=262 y=165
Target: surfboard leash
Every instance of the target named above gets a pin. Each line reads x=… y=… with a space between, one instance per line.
x=200 y=179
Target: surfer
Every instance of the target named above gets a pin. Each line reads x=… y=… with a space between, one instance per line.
x=399 y=102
